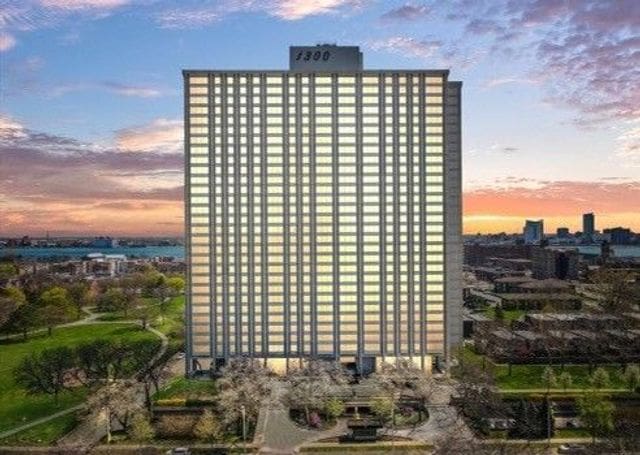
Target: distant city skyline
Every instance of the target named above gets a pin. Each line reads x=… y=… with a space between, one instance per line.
x=91 y=127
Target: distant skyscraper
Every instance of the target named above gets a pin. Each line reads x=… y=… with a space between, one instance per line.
x=533 y=232
x=323 y=213
x=588 y=225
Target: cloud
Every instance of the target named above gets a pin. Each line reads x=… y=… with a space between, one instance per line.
x=54 y=183
x=7 y=42
x=117 y=88
x=629 y=144
x=83 y=4
x=559 y=198
x=165 y=135
x=132 y=90
x=407 y=12
x=292 y=10
x=407 y=46
x=187 y=18
x=498 y=82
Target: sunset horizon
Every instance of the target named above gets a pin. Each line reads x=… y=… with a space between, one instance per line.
x=91 y=128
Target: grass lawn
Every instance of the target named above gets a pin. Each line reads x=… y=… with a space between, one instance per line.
x=45 y=434
x=16 y=406
x=530 y=376
x=509 y=315
x=188 y=389
x=172 y=324
x=571 y=433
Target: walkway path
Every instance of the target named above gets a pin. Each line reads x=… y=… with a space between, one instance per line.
x=276 y=433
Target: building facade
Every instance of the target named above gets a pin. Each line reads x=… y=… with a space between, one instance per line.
x=533 y=232
x=588 y=225
x=323 y=213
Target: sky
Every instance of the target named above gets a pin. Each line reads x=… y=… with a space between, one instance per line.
x=91 y=102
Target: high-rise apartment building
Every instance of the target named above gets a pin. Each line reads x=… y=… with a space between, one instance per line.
x=588 y=226
x=323 y=213
x=533 y=232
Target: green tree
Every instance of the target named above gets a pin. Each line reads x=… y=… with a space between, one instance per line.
x=45 y=372
x=600 y=379
x=565 y=380
x=55 y=307
x=208 y=428
x=8 y=270
x=383 y=408
x=140 y=429
x=596 y=414
x=499 y=313
x=549 y=378
x=176 y=284
x=334 y=408
x=79 y=295
x=144 y=311
x=114 y=299
x=11 y=300
x=631 y=377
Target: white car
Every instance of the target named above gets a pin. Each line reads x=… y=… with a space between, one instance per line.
x=178 y=451
x=572 y=448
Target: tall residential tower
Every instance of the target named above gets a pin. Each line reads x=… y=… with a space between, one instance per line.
x=323 y=213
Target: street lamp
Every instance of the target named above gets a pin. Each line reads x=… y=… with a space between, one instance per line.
x=243 y=411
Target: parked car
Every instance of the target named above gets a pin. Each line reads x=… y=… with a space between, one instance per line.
x=178 y=451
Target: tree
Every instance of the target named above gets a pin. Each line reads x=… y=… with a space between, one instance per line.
x=403 y=378
x=477 y=397
x=244 y=382
x=383 y=408
x=11 y=299
x=549 y=378
x=596 y=414
x=140 y=429
x=208 y=428
x=114 y=299
x=79 y=296
x=631 y=377
x=46 y=372
x=616 y=288
x=600 y=379
x=176 y=284
x=118 y=400
x=565 y=380
x=55 y=307
x=334 y=408
x=310 y=387
x=8 y=270
x=143 y=311
x=499 y=313
x=105 y=360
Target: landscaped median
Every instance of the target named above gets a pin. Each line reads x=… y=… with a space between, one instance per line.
x=405 y=447
x=20 y=408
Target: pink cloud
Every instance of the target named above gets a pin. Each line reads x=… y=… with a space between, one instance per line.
x=7 y=42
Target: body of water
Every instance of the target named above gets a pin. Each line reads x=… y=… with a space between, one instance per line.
x=621 y=251
x=76 y=253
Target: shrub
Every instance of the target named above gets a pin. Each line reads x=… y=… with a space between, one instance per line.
x=172 y=402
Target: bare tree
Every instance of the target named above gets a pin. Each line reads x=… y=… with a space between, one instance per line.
x=118 y=401
x=244 y=383
x=312 y=386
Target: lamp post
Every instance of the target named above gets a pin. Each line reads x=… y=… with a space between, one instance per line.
x=243 y=411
